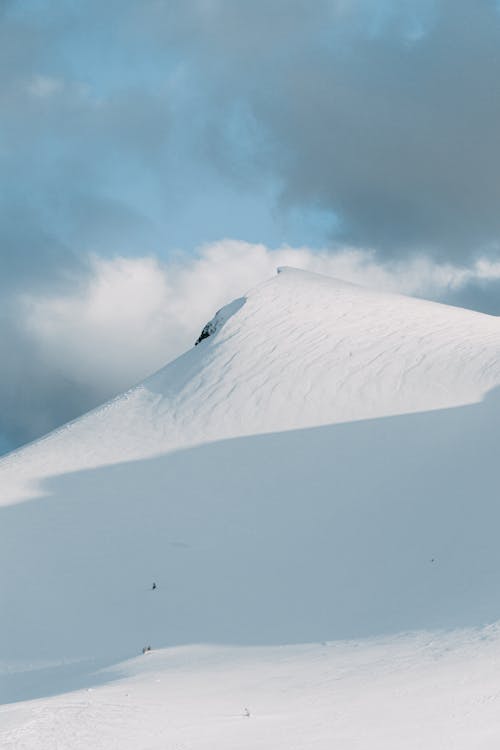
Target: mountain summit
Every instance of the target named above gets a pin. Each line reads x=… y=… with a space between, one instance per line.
x=300 y=350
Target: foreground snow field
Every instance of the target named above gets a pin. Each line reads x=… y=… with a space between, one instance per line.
x=419 y=691
x=322 y=470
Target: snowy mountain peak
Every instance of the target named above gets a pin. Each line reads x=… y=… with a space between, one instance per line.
x=299 y=350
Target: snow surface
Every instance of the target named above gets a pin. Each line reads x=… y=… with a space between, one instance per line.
x=412 y=692
x=303 y=493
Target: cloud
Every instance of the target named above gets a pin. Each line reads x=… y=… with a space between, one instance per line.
x=66 y=350
x=120 y=120
x=383 y=113
x=80 y=155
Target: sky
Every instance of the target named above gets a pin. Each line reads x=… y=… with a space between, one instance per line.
x=160 y=157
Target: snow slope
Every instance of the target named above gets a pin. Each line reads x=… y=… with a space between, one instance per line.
x=298 y=477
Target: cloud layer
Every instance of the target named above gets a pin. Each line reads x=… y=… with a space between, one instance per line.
x=138 y=127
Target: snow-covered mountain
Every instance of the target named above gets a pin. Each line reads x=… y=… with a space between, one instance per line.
x=301 y=350
x=320 y=467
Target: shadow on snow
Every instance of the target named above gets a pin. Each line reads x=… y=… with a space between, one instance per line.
x=344 y=531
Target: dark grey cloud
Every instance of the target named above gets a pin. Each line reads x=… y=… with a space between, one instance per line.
x=35 y=395
x=387 y=114
x=383 y=115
